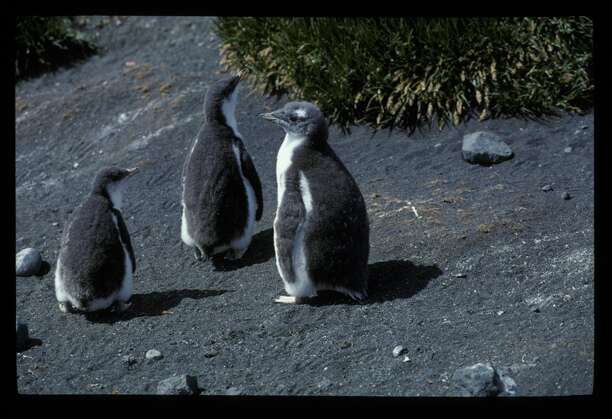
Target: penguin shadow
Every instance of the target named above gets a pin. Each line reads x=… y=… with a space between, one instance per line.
x=389 y=280
x=399 y=279
x=151 y=305
x=45 y=267
x=30 y=343
x=260 y=250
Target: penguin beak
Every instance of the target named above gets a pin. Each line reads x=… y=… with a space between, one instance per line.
x=277 y=117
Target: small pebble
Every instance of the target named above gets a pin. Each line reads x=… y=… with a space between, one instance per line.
x=233 y=391
x=567 y=149
x=345 y=344
x=28 y=262
x=324 y=384
x=211 y=353
x=55 y=224
x=75 y=165
x=129 y=359
x=398 y=350
x=460 y=275
x=438 y=145
x=406 y=359
x=566 y=196
x=181 y=385
x=153 y=354
x=547 y=188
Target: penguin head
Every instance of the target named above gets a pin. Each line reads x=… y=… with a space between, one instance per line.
x=220 y=102
x=300 y=119
x=110 y=182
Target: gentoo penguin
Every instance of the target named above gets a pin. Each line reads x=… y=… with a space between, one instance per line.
x=321 y=230
x=222 y=195
x=96 y=260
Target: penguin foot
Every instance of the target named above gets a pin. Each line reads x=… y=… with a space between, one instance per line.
x=66 y=307
x=285 y=299
x=121 y=306
x=218 y=261
x=235 y=254
x=197 y=253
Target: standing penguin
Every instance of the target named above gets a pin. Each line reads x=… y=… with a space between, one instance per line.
x=222 y=195
x=96 y=260
x=321 y=231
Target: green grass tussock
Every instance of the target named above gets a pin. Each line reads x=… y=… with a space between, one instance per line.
x=405 y=72
x=43 y=43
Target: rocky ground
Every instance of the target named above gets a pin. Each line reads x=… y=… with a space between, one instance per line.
x=493 y=269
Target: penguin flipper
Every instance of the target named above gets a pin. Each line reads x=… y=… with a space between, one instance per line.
x=291 y=215
x=249 y=171
x=125 y=237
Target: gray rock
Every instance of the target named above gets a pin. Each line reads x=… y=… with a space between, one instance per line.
x=211 y=353
x=547 y=188
x=183 y=385
x=28 y=262
x=233 y=391
x=153 y=355
x=23 y=336
x=566 y=195
x=324 y=384
x=345 y=344
x=538 y=303
x=482 y=380
x=129 y=360
x=567 y=149
x=398 y=350
x=509 y=385
x=483 y=147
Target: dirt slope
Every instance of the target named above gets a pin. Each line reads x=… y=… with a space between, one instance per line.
x=139 y=103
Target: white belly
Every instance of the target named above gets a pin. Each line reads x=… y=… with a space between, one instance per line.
x=244 y=240
x=301 y=285
x=185 y=236
x=125 y=292
x=185 y=229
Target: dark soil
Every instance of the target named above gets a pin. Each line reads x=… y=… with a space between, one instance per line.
x=459 y=284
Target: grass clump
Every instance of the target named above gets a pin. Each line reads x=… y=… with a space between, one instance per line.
x=404 y=72
x=44 y=43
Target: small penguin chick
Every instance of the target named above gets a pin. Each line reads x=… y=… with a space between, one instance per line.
x=111 y=183
x=96 y=262
x=222 y=196
x=321 y=229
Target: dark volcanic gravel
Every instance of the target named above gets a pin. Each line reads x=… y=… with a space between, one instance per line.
x=454 y=286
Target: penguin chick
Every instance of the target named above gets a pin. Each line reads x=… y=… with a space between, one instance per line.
x=321 y=230
x=96 y=261
x=222 y=197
